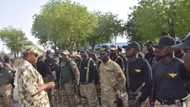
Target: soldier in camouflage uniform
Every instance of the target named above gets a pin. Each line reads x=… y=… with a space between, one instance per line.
x=112 y=80
x=68 y=81
x=30 y=85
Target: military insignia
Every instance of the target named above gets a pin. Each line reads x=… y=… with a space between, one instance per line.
x=137 y=70
x=173 y=75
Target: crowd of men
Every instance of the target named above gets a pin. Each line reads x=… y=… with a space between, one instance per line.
x=152 y=75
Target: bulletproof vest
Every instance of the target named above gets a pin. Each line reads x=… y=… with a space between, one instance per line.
x=137 y=73
x=168 y=80
x=5 y=77
x=66 y=74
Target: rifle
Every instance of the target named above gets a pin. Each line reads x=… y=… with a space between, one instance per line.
x=134 y=96
x=98 y=90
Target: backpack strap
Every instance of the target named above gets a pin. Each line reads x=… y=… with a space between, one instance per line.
x=88 y=69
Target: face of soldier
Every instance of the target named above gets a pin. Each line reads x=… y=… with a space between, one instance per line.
x=32 y=58
x=64 y=58
x=113 y=54
x=162 y=52
x=104 y=56
x=83 y=55
x=130 y=52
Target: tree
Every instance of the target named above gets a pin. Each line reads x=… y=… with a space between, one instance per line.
x=14 y=39
x=152 y=17
x=148 y=20
x=182 y=17
x=109 y=26
x=67 y=24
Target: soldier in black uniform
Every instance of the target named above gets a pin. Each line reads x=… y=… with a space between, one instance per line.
x=178 y=52
x=89 y=79
x=116 y=57
x=186 y=47
x=139 y=74
x=150 y=54
x=169 y=74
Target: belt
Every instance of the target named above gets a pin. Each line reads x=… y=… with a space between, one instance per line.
x=86 y=83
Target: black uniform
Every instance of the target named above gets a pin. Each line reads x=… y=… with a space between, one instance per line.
x=139 y=76
x=93 y=75
x=150 y=57
x=169 y=81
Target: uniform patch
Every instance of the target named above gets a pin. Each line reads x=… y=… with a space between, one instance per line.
x=138 y=70
x=173 y=75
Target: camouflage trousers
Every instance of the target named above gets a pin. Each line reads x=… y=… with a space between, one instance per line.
x=89 y=92
x=6 y=96
x=39 y=100
x=108 y=98
x=67 y=96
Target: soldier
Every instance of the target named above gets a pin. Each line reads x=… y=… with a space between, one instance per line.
x=43 y=66
x=150 y=52
x=168 y=76
x=186 y=47
x=98 y=62
x=30 y=85
x=116 y=57
x=112 y=80
x=6 y=78
x=69 y=79
x=178 y=52
x=89 y=79
x=139 y=75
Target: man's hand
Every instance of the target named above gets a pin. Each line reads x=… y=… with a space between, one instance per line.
x=46 y=86
x=50 y=85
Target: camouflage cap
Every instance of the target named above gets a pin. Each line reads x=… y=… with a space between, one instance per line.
x=32 y=50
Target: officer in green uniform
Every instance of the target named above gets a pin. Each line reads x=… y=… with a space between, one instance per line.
x=69 y=78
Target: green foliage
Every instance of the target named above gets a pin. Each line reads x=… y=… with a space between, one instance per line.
x=152 y=17
x=14 y=39
x=182 y=17
x=65 y=23
x=108 y=27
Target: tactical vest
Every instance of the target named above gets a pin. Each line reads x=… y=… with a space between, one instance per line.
x=66 y=74
x=5 y=77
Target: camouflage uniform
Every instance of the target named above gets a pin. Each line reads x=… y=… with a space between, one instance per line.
x=89 y=91
x=67 y=84
x=28 y=80
x=5 y=95
x=108 y=80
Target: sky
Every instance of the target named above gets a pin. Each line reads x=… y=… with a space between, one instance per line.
x=19 y=13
